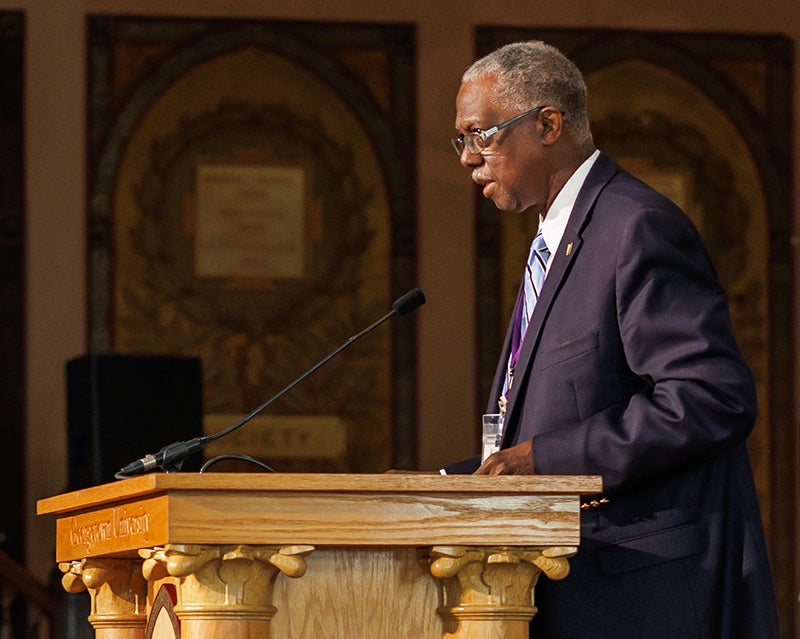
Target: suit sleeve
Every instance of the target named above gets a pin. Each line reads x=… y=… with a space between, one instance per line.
x=695 y=395
x=463 y=467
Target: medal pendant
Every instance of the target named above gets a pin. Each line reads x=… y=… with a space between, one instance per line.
x=502 y=404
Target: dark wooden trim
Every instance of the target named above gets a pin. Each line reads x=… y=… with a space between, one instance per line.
x=12 y=293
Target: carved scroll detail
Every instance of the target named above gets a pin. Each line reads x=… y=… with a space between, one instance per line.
x=482 y=586
x=118 y=593
x=218 y=582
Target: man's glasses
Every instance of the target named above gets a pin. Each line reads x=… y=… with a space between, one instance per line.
x=477 y=140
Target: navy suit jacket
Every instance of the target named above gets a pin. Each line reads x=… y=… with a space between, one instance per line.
x=629 y=370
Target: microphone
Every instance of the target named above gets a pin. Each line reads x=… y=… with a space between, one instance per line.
x=408 y=302
x=171 y=457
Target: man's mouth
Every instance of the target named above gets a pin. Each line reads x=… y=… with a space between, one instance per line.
x=485 y=181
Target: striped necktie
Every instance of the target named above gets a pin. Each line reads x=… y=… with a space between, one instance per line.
x=534 y=277
x=532 y=286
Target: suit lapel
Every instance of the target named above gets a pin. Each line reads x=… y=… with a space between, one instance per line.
x=600 y=174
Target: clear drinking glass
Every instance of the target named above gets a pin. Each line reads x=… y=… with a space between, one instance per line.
x=492 y=434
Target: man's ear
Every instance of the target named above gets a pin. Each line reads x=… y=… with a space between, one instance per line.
x=551 y=121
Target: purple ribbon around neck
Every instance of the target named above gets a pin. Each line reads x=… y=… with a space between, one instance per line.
x=516 y=337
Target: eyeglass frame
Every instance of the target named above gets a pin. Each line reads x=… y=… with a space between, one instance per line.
x=461 y=142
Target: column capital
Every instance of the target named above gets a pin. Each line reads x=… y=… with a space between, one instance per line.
x=224 y=584
x=117 y=590
x=491 y=589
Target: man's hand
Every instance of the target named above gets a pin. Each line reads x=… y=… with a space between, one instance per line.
x=517 y=460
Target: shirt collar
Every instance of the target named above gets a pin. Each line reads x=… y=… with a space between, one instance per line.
x=555 y=221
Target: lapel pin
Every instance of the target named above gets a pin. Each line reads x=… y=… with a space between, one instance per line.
x=569 y=249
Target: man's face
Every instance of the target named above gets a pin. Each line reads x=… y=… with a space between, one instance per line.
x=511 y=167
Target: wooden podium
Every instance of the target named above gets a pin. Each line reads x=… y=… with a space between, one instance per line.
x=321 y=556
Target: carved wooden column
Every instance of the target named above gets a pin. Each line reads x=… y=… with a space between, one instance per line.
x=488 y=593
x=225 y=591
x=118 y=594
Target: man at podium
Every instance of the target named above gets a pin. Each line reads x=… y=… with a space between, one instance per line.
x=619 y=361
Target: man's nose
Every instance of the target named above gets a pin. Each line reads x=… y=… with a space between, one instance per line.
x=469 y=160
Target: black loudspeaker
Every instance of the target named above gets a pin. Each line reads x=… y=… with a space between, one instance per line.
x=123 y=407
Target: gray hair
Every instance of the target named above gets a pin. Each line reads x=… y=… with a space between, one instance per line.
x=530 y=74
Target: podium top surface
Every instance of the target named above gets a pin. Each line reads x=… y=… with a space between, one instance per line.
x=335 y=510
x=160 y=483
